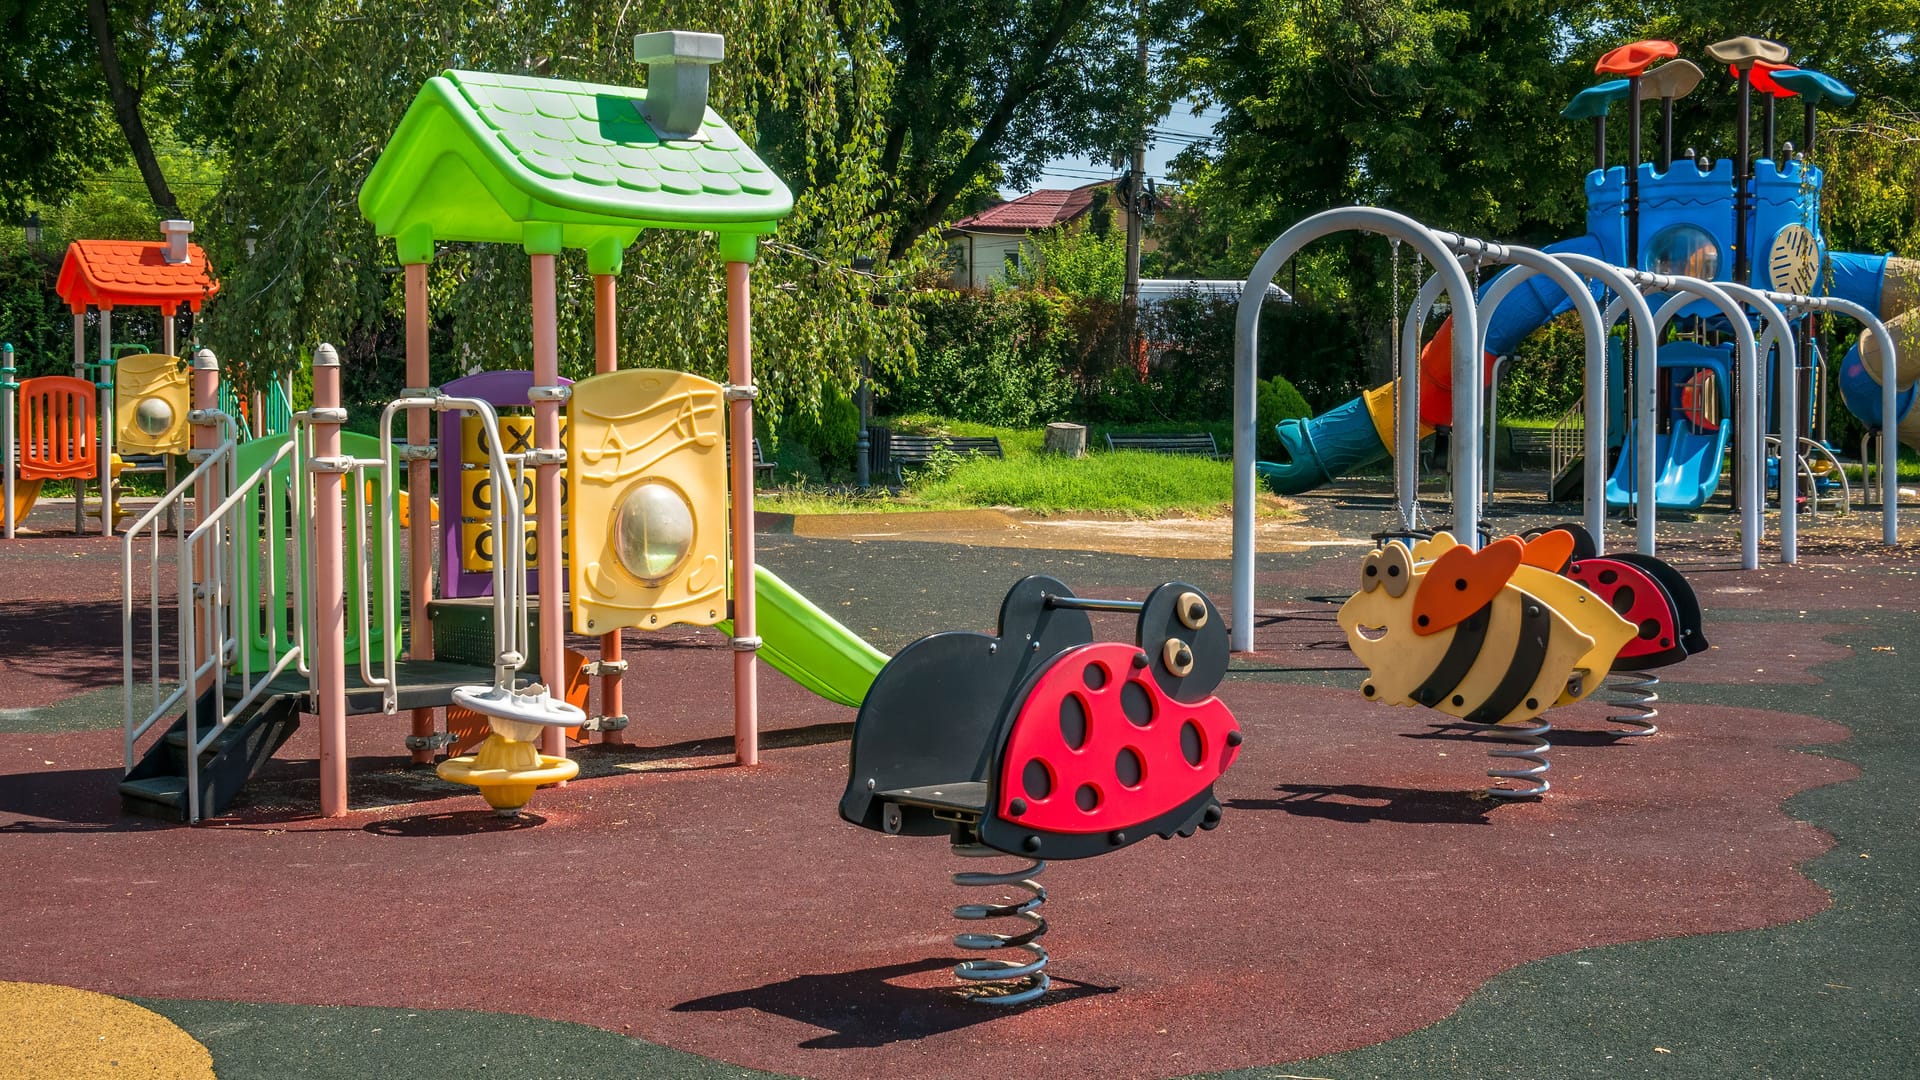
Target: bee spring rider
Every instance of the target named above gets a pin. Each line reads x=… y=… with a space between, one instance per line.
x=1042 y=743
x=1496 y=637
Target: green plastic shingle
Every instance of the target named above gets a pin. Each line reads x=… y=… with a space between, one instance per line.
x=480 y=157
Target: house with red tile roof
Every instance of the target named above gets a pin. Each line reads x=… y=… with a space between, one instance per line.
x=982 y=248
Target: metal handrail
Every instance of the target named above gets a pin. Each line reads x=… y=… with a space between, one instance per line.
x=215 y=600
x=217 y=466
x=1566 y=441
x=507 y=519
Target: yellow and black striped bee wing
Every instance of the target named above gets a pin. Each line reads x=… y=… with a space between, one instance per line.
x=1506 y=662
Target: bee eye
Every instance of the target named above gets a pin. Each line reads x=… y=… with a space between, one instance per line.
x=1370 y=573
x=1397 y=570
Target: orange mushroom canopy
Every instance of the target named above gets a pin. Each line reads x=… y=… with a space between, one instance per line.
x=133 y=273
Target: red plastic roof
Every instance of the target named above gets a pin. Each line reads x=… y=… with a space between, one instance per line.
x=1041 y=209
x=1634 y=59
x=1763 y=78
x=133 y=273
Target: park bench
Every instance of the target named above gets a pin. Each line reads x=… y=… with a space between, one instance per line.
x=1198 y=444
x=904 y=451
x=1043 y=743
x=761 y=466
x=1530 y=442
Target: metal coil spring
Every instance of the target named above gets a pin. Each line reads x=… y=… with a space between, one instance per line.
x=1002 y=982
x=1533 y=748
x=1634 y=691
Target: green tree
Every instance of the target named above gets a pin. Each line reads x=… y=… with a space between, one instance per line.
x=313 y=91
x=988 y=91
x=51 y=104
x=1076 y=260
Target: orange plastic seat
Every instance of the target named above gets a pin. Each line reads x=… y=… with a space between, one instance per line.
x=58 y=435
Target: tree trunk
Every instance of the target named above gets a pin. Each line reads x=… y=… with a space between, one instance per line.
x=126 y=109
x=1069 y=440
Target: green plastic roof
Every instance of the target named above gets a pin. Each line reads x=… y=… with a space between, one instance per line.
x=549 y=164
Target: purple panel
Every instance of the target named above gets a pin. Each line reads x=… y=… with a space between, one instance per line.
x=499 y=389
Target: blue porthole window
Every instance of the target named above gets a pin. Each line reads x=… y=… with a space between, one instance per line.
x=1682 y=250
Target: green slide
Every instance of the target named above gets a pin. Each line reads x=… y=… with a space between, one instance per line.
x=808 y=646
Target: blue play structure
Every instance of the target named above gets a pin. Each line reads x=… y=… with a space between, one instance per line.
x=1684 y=220
x=1689 y=452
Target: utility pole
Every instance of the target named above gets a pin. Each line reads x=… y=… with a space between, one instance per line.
x=1136 y=193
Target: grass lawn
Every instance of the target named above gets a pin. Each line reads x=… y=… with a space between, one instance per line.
x=1125 y=483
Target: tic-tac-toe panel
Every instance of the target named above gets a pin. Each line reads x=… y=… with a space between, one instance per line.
x=476 y=489
x=647 y=472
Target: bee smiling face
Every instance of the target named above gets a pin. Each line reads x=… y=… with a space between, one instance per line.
x=1378 y=620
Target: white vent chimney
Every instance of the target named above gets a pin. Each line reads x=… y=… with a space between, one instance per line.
x=176 y=233
x=677 y=62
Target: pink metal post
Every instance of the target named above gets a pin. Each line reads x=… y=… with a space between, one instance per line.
x=103 y=398
x=606 y=357
x=329 y=641
x=207 y=493
x=546 y=495
x=419 y=502
x=746 y=689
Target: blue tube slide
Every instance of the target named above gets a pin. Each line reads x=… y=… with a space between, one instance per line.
x=1346 y=438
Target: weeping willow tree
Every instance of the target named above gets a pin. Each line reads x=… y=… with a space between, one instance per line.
x=307 y=97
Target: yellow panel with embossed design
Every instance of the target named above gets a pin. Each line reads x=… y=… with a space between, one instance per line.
x=648 y=522
x=152 y=393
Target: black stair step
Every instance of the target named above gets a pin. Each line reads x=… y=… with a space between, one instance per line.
x=177 y=738
x=163 y=797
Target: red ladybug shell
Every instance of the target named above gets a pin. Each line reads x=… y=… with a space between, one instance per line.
x=1640 y=600
x=1079 y=759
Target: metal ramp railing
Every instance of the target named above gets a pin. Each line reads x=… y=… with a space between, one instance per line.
x=225 y=594
x=1567 y=442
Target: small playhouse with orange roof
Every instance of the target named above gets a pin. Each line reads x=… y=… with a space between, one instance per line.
x=68 y=428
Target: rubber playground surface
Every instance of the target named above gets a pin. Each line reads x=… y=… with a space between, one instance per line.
x=1731 y=897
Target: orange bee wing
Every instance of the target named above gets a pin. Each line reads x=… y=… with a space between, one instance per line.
x=1461 y=582
x=1550 y=551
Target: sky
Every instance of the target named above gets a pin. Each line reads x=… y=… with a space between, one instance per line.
x=1177 y=132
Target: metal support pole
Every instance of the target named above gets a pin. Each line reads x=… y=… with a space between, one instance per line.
x=80 y=344
x=1627 y=298
x=1526 y=262
x=1633 y=171
x=1666 y=134
x=420 y=583
x=1406 y=391
x=167 y=332
x=746 y=690
x=1743 y=182
x=1889 y=407
x=9 y=448
x=208 y=493
x=329 y=583
x=606 y=358
x=1466 y=371
x=103 y=388
x=1747 y=443
x=1777 y=340
x=546 y=496
x=1493 y=407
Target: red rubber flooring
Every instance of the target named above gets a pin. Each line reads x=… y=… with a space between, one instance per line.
x=1354 y=892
